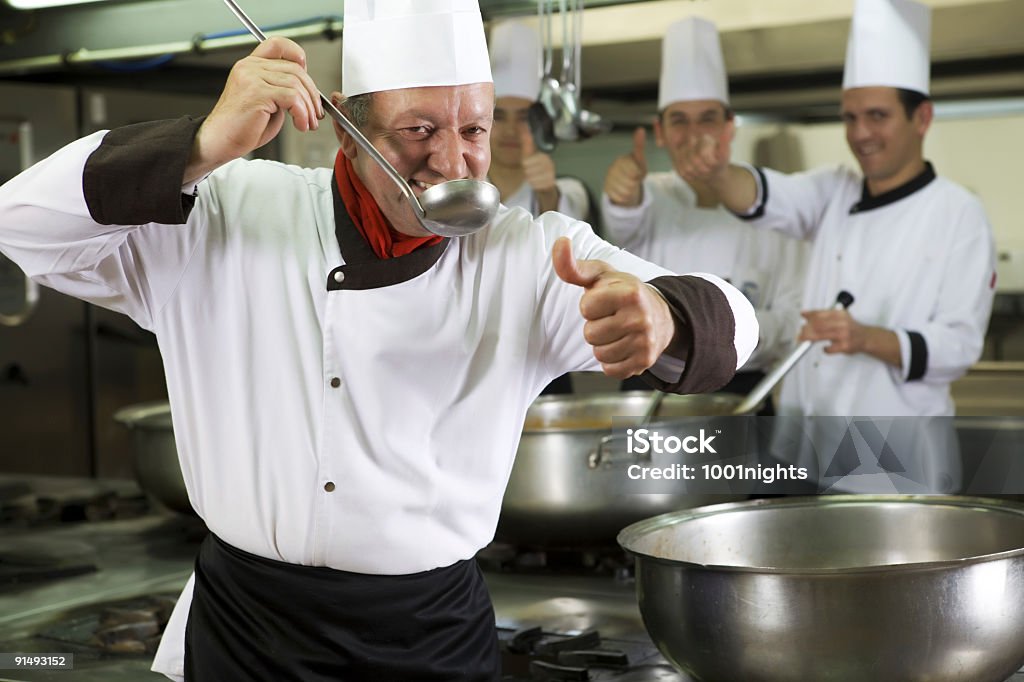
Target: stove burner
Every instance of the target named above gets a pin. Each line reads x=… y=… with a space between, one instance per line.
x=533 y=655
x=605 y=561
x=130 y=626
x=30 y=559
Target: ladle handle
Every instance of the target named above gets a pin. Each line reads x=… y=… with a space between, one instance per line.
x=764 y=387
x=339 y=117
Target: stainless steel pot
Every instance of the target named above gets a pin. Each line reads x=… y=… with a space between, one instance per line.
x=566 y=490
x=838 y=588
x=156 y=457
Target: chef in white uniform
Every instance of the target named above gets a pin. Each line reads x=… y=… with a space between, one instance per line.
x=682 y=225
x=348 y=390
x=525 y=176
x=915 y=250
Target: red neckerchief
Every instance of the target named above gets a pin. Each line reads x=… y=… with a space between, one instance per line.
x=385 y=241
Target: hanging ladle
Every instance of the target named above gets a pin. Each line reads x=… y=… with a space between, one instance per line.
x=455 y=208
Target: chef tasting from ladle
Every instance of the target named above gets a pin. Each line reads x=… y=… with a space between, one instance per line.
x=682 y=224
x=348 y=390
x=914 y=248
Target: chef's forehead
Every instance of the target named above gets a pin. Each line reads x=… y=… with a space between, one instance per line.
x=468 y=101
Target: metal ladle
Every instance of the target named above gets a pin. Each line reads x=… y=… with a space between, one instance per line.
x=455 y=208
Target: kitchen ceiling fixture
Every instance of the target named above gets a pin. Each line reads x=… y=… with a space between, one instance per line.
x=40 y=4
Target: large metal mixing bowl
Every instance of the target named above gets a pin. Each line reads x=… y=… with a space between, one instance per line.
x=563 y=493
x=836 y=589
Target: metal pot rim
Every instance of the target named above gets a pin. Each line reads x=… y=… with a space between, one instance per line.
x=621 y=395
x=632 y=533
x=142 y=415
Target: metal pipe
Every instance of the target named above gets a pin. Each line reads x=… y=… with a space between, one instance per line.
x=85 y=56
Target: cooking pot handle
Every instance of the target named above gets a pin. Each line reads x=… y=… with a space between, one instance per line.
x=599 y=456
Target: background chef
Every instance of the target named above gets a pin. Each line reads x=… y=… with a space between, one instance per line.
x=915 y=249
x=682 y=225
x=524 y=176
x=347 y=390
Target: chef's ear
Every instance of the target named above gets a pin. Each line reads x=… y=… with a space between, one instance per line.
x=348 y=145
x=923 y=116
x=659 y=131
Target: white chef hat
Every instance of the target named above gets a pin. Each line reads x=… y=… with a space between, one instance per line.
x=692 y=66
x=515 y=60
x=393 y=44
x=889 y=45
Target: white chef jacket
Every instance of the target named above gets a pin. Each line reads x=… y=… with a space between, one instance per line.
x=279 y=386
x=573 y=199
x=919 y=260
x=668 y=228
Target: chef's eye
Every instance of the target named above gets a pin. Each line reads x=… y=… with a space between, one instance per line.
x=416 y=132
x=475 y=130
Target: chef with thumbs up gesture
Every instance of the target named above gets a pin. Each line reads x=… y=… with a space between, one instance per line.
x=525 y=176
x=677 y=219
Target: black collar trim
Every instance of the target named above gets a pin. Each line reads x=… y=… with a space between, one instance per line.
x=868 y=202
x=362 y=269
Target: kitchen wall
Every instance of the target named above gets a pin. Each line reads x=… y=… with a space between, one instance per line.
x=975 y=149
x=71 y=366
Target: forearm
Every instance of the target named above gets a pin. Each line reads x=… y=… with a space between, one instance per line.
x=882 y=344
x=200 y=162
x=737 y=189
x=547 y=200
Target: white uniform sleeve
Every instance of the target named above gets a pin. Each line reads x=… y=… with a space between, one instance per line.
x=46 y=228
x=573 y=199
x=778 y=316
x=795 y=203
x=560 y=316
x=954 y=336
x=629 y=226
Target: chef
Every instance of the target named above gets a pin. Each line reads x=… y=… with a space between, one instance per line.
x=682 y=225
x=347 y=389
x=914 y=249
x=524 y=176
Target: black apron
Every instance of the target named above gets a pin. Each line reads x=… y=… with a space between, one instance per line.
x=258 y=619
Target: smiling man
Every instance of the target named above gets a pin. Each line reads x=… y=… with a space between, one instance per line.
x=348 y=390
x=680 y=224
x=914 y=249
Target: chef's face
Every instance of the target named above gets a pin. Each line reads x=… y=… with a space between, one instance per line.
x=510 y=123
x=887 y=143
x=681 y=124
x=430 y=135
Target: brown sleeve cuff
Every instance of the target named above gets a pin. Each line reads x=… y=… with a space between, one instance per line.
x=706 y=333
x=135 y=175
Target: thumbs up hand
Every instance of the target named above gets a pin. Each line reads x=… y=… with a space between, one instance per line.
x=707 y=158
x=624 y=182
x=628 y=323
x=539 y=172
